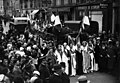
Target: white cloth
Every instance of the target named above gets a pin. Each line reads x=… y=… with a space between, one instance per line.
x=86 y=20
x=57 y=54
x=21 y=53
x=65 y=60
x=86 y=58
x=73 y=64
x=52 y=18
x=92 y=61
x=33 y=79
x=57 y=20
x=36 y=72
x=1 y=77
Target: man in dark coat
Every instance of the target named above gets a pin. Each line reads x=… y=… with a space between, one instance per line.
x=56 y=77
x=44 y=49
x=111 y=52
x=44 y=71
x=103 y=59
x=64 y=76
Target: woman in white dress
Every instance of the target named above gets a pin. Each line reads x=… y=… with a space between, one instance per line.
x=91 y=53
x=73 y=59
x=86 y=57
x=62 y=57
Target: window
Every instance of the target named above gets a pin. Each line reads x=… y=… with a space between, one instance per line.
x=65 y=1
x=31 y=5
x=25 y=6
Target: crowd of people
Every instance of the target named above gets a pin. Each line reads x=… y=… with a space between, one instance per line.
x=28 y=58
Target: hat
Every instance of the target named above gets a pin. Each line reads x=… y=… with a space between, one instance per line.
x=9 y=45
x=36 y=72
x=21 y=48
x=82 y=78
x=63 y=64
x=34 y=46
x=28 y=48
x=98 y=38
x=44 y=63
x=56 y=67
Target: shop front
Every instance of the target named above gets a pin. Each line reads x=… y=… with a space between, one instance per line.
x=64 y=12
x=102 y=13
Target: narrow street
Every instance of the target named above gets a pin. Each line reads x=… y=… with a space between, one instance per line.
x=96 y=78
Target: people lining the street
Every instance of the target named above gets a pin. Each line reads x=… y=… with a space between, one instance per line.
x=32 y=58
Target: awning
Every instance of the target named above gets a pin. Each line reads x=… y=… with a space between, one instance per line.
x=34 y=12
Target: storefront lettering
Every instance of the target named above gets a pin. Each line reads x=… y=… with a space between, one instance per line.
x=89 y=7
x=95 y=7
x=103 y=5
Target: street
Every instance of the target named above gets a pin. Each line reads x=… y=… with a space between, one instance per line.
x=96 y=78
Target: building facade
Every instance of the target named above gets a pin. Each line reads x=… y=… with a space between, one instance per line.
x=1 y=7
x=105 y=12
x=27 y=6
x=11 y=7
x=97 y=10
x=14 y=7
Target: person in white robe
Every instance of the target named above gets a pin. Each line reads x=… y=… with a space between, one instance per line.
x=91 y=53
x=58 y=54
x=86 y=57
x=66 y=58
x=62 y=57
x=73 y=59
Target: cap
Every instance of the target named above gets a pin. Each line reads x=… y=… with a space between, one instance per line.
x=56 y=67
x=34 y=46
x=82 y=78
x=28 y=48
x=36 y=72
